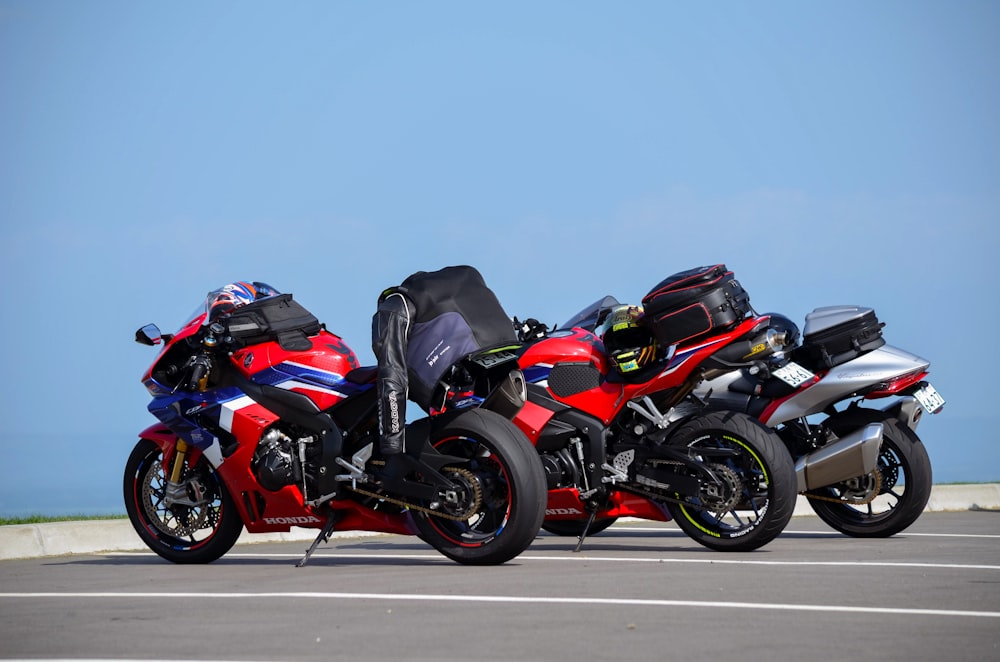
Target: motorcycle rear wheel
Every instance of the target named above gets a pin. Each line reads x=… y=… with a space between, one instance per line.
x=503 y=466
x=181 y=534
x=904 y=480
x=764 y=483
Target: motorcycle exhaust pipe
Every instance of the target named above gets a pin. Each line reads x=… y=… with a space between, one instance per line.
x=854 y=455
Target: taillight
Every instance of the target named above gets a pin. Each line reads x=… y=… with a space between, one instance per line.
x=896 y=385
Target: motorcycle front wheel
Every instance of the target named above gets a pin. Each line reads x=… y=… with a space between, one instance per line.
x=758 y=497
x=502 y=495
x=198 y=527
x=903 y=481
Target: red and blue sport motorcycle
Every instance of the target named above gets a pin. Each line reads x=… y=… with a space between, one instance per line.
x=266 y=421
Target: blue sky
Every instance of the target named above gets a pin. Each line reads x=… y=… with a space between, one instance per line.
x=828 y=152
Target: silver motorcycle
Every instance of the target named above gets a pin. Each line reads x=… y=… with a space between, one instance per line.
x=859 y=462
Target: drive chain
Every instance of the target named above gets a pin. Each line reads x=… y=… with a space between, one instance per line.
x=871 y=497
x=470 y=478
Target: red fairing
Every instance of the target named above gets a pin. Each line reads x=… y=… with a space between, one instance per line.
x=531 y=419
x=606 y=399
x=329 y=353
x=359 y=518
x=688 y=356
x=565 y=504
x=167 y=441
x=245 y=419
x=189 y=330
x=160 y=434
x=575 y=345
x=284 y=508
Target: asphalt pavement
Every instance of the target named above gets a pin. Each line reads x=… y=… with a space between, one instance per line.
x=637 y=591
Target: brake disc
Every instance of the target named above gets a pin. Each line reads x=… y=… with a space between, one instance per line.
x=176 y=521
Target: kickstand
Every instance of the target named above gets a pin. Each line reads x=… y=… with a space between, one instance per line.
x=324 y=536
x=583 y=534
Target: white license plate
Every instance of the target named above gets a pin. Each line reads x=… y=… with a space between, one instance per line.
x=793 y=374
x=929 y=399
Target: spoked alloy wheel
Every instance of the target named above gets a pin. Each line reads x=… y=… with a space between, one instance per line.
x=199 y=527
x=902 y=479
x=499 y=500
x=757 y=495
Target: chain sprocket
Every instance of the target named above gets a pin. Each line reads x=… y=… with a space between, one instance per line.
x=733 y=488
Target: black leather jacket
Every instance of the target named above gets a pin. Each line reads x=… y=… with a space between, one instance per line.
x=420 y=329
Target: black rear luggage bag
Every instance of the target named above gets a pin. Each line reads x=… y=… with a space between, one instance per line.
x=694 y=302
x=836 y=334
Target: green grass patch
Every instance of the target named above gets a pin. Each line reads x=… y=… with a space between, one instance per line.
x=43 y=519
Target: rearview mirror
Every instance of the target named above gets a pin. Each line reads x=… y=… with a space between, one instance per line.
x=149 y=335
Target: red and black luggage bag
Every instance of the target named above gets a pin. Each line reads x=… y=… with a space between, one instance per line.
x=694 y=302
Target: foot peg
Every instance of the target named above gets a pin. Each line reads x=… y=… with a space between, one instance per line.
x=356 y=467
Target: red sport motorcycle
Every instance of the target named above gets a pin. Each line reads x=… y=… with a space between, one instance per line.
x=638 y=444
x=266 y=421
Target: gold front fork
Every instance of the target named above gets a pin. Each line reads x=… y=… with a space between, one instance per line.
x=178 y=467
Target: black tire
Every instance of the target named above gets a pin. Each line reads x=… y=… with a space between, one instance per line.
x=505 y=467
x=182 y=534
x=904 y=481
x=574 y=527
x=763 y=499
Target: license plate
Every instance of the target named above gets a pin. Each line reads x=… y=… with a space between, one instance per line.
x=494 y=358
x=929 y=399
x=793 y=374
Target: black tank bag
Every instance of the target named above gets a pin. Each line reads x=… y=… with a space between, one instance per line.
x=279 y=318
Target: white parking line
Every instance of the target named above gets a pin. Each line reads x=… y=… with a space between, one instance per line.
x=647 y=529
x=513 y=599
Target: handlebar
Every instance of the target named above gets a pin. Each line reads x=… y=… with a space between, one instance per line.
x=201 y=365
x=530 y=329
